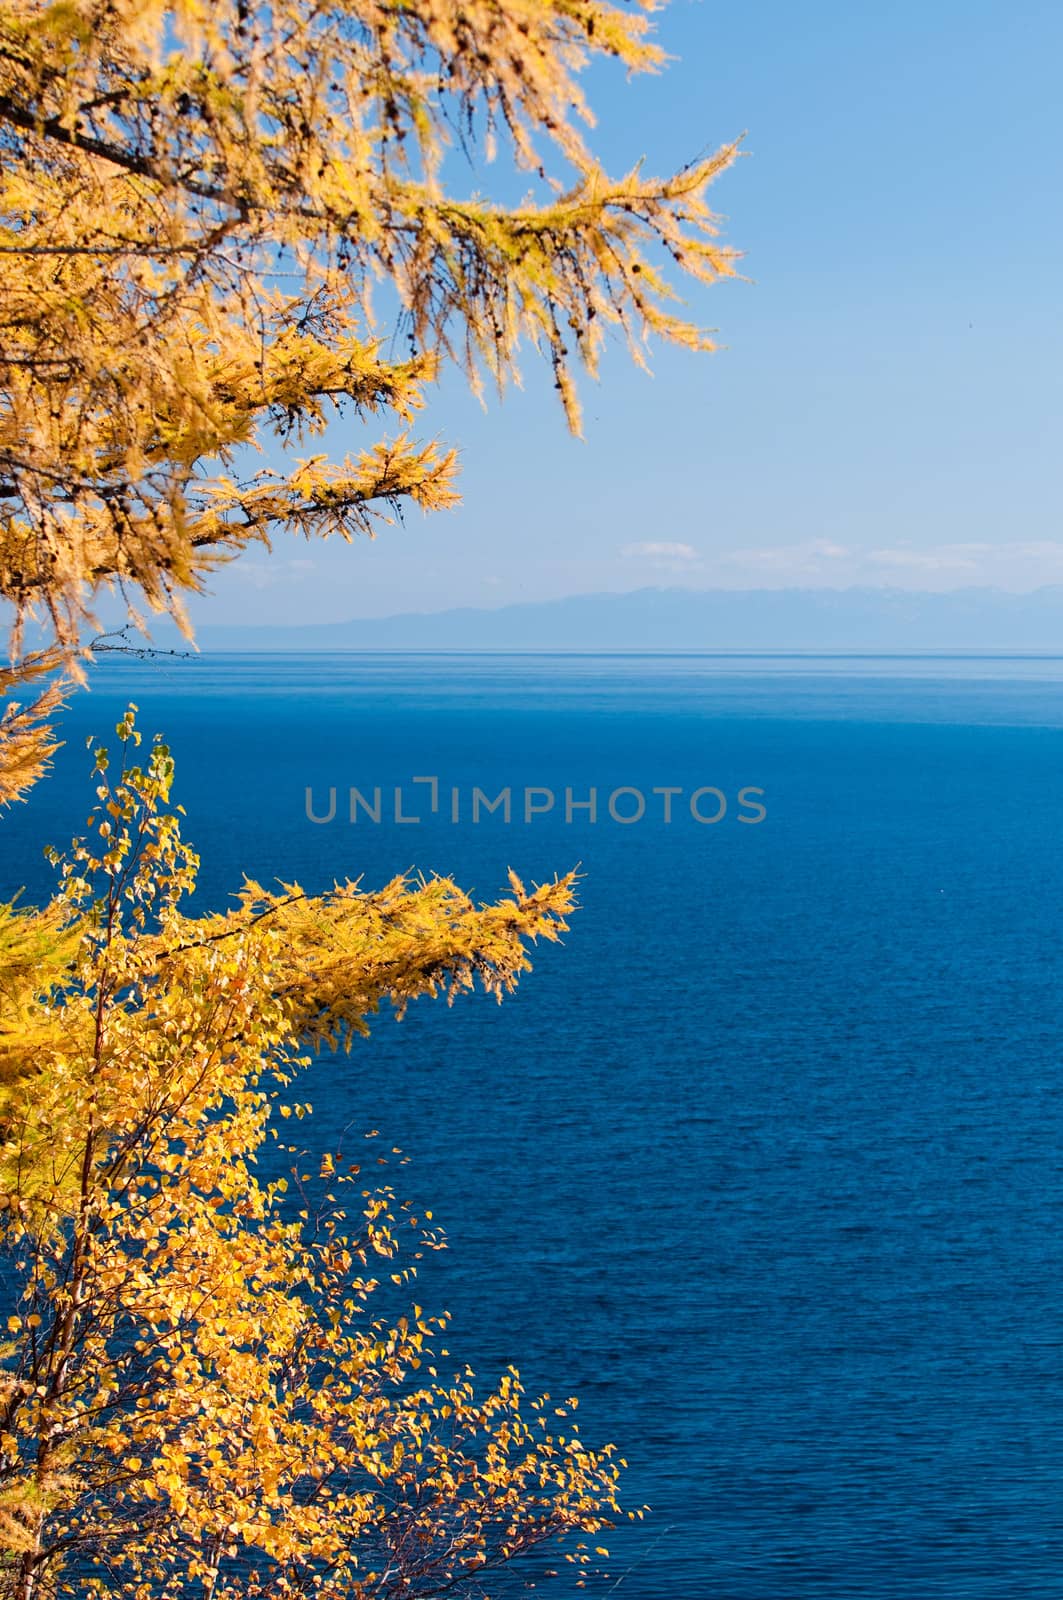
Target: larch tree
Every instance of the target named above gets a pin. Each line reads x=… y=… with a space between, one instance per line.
x=198 y=201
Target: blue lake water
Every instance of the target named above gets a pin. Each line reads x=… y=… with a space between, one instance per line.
x=766 y=1163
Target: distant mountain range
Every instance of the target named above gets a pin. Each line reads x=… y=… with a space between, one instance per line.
x=694 y=619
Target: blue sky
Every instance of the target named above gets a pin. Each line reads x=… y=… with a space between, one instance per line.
x=887 y=406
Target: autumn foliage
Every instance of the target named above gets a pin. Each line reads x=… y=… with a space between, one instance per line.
x=197 y=1396
x=209 y=1390
x=198 y=201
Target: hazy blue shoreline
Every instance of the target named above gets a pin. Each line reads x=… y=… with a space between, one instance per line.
x=850 y=621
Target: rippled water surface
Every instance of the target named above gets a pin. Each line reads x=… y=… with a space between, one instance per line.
x=765 y=1163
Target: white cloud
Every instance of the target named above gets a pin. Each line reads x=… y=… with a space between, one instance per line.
x=926 y=560
x=268 y=574
x=793 y=560
x=661 y=550
x=1018 y=565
